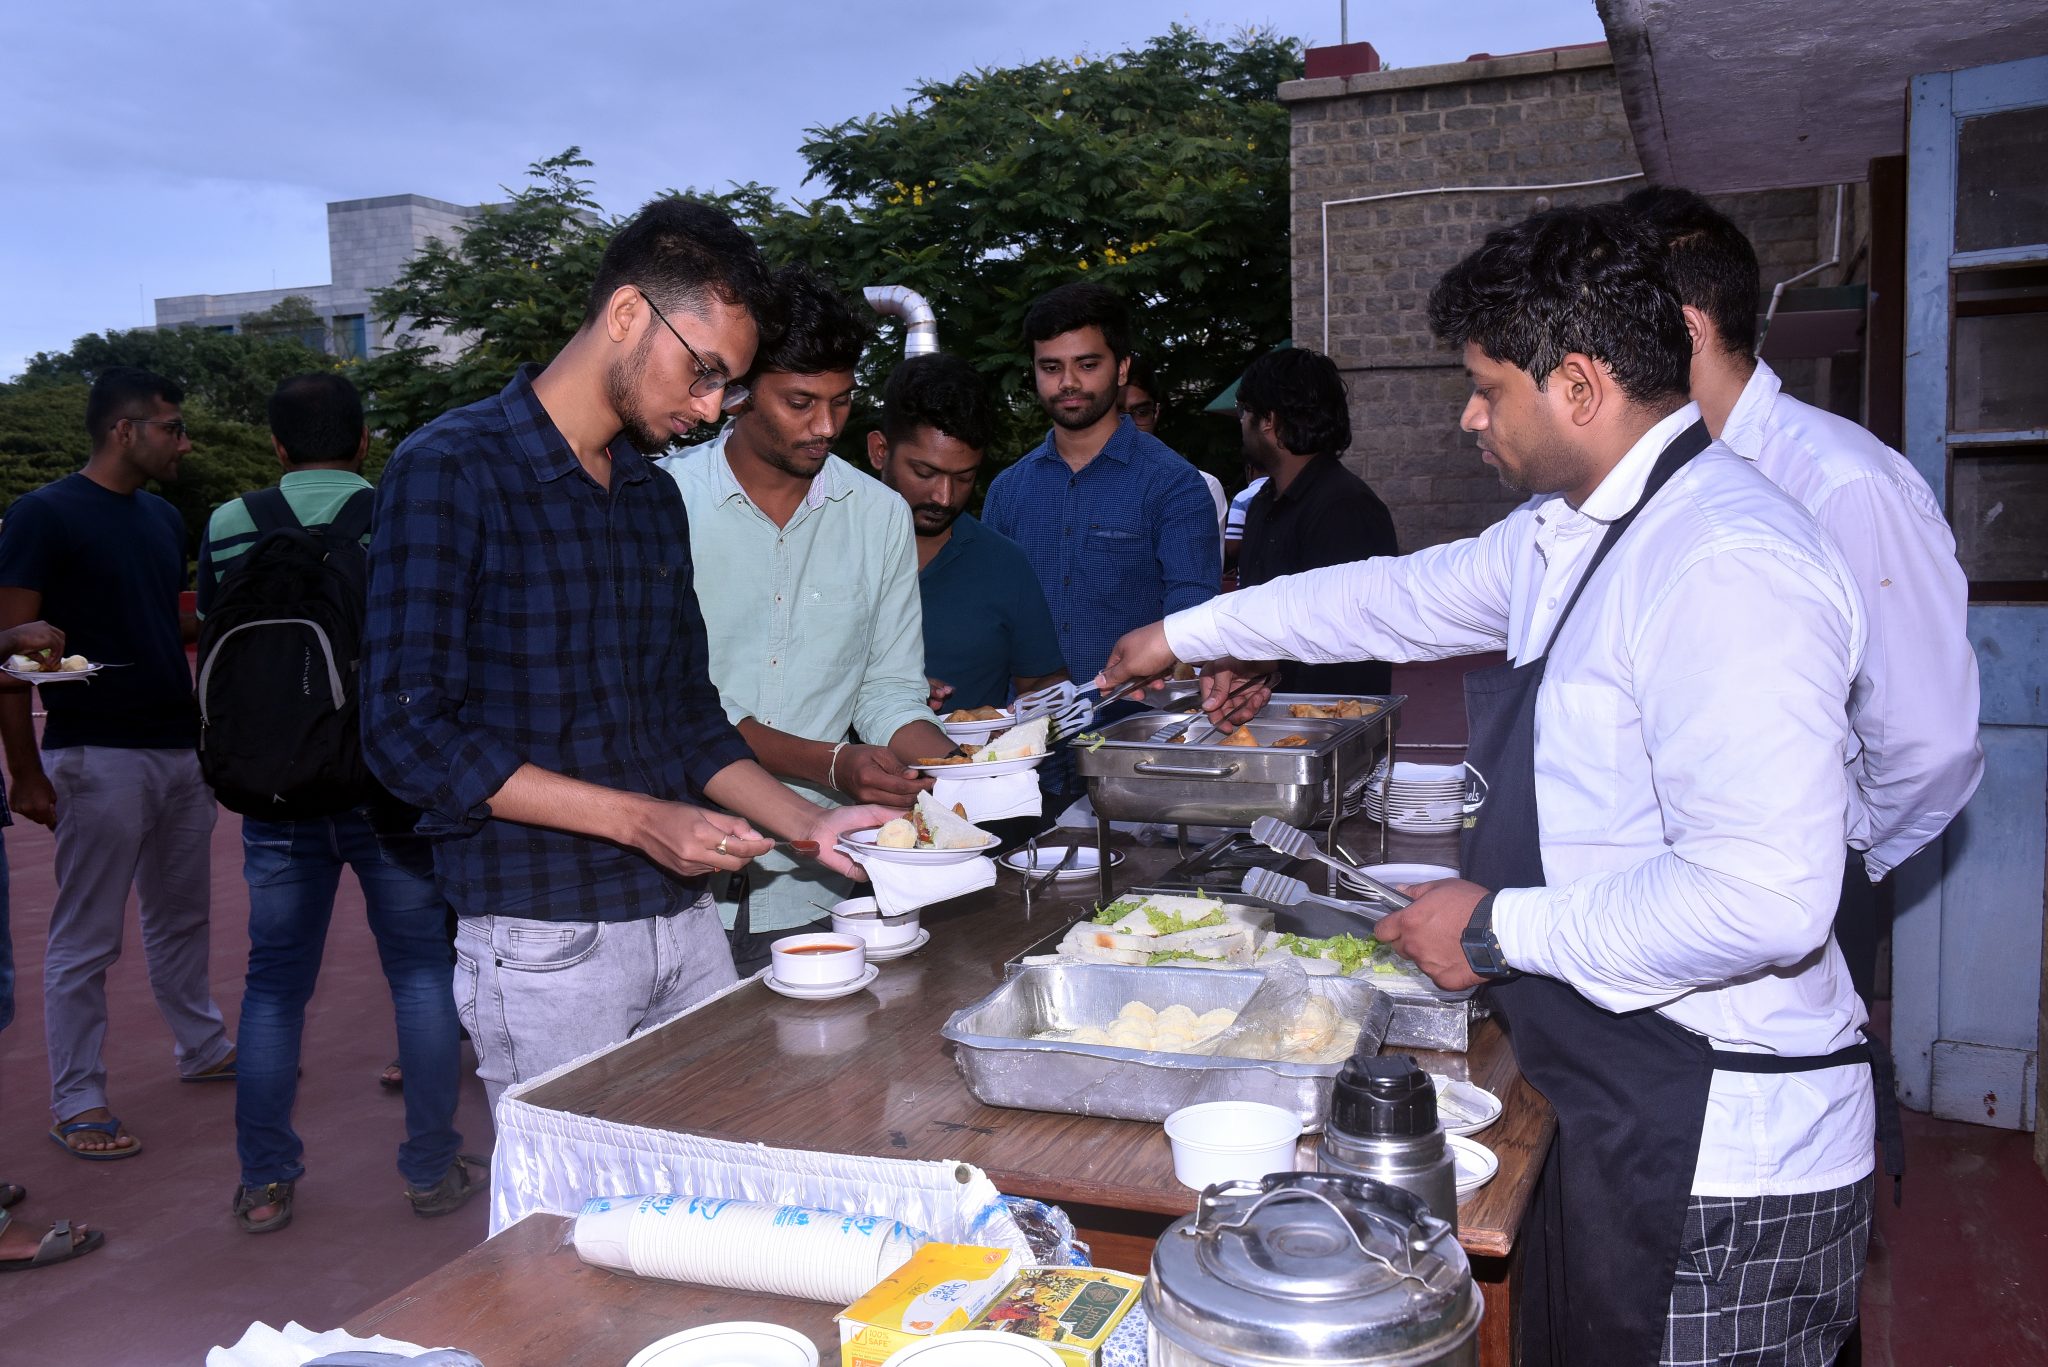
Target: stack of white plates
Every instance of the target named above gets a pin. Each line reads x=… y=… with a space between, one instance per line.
x=1423 y=799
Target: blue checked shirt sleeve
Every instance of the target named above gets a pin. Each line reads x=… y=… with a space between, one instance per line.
x=424 y=560
x=1189 y=546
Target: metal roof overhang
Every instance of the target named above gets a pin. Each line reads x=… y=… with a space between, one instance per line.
x=1727 y=95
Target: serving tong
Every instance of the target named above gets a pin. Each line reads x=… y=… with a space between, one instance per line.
x=1296 y=843
x=1283 y=891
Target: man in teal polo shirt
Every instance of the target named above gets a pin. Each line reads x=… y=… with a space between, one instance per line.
x=808 y=586
x=987 y=630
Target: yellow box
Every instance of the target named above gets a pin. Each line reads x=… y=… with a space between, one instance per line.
x=1071 y=1310
x=940 y=1289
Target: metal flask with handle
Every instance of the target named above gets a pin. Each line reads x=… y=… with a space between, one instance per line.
x=1305 y=1267
x=1383 y=1125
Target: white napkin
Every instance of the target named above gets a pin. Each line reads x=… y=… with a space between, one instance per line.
x=992 y=799
x=263 y=1346
x=906 y=887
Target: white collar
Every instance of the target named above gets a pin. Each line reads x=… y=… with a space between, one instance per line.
x=1623 y=487
x=1744 y=430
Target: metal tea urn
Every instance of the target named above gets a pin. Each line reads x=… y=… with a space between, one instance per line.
x=1304 y=1267
x=1383 y=1125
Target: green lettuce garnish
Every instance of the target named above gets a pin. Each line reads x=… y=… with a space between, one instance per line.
x=1115 y=911
x=1167 y=956
x=1348 y=952
x=1169 y=922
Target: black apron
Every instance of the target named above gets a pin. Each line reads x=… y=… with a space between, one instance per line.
x=1601 y=1241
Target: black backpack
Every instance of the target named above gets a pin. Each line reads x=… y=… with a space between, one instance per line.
x=280 y=660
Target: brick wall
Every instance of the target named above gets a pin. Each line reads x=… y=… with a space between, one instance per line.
x=1538 y=119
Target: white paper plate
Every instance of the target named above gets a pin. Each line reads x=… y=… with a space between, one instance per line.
x=826 y=993
x=882 y=956
x=863 y=843
x=1476 y=1164
x=737 y=1343
x=975 y=1348
x=56 y=675
x=1395 y=875
x=1086 y=864
x=977 y=730
x=1466 y=1097
x=993 y=768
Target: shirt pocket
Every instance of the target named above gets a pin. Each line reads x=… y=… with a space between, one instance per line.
x=1579 y=737
x=830 y=628
x=1110 y=549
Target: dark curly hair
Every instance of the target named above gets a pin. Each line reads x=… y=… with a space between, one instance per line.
x=1068 y=308
x=1586 y=280
x=682 y=253
x=1305 y=395
x=1707 y=259
x=941 y=392
x=821 y=330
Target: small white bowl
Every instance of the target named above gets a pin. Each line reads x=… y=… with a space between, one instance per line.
x=818 y=960
x=858 y=917
x=975 y=1348
x=737 y=1343
x=1221 y=1141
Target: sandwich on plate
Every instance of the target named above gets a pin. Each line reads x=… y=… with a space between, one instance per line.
x=932 y=827
x=1019 y=742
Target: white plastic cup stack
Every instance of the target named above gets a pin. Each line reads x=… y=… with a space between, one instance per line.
x=818 y=1255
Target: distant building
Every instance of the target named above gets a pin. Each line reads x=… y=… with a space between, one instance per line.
x=369 y=242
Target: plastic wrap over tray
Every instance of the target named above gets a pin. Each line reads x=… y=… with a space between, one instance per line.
x=1004 y=1066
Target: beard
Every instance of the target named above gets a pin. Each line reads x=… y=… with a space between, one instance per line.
x=1097 y=408
x=621 y=385
x=929 y=519
x=796 y=462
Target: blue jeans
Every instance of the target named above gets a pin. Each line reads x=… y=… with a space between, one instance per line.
x=293 y=868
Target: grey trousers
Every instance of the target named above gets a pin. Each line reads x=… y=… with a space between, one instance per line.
x=140 y=818
x=535 y=994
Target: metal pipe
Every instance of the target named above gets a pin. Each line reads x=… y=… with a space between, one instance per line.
x=1834 y=258
x=920 y=324
x=1328 y=204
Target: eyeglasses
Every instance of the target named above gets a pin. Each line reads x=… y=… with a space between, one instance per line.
x=175 y=426
x=708 y=381
x=1146 y=410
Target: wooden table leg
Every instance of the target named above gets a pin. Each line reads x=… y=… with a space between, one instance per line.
x=1499 y=1281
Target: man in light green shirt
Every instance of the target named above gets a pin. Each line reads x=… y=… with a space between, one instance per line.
x=807 y=577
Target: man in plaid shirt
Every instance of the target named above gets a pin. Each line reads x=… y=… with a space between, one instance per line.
x=535 y=665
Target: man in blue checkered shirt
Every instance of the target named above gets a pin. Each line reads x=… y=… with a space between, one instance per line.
x=1119 y=529
x=535 y=665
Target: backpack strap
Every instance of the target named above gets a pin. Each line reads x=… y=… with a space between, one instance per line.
x=271 y=511
x=353 y=521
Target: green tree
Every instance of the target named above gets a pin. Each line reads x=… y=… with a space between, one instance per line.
x=511 y=289
x=230 y=374
x=1160 y=171
x=292 y=318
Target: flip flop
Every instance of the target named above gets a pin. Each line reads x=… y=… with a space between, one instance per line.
x=224 y=1071
x=56 y=1247
x=60 y=1135
x=12 y=1194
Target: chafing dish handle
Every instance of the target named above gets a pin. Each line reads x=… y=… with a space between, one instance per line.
x=1146 y=766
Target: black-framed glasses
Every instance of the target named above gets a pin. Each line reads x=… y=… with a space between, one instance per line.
x=708 y=381
x=175 y=426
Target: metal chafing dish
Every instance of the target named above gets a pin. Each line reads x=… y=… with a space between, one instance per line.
x=1004 y=1066
x=1132 y=777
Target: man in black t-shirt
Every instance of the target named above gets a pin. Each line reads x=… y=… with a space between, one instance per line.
x=104 y=561
x=1313 y=512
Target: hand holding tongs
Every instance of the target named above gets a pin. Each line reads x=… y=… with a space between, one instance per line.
x=1278 y=836
x=1173 y=733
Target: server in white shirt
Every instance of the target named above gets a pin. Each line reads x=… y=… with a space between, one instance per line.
x=1649 y=883
x=1915 y=759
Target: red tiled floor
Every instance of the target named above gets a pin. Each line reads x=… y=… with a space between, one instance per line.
x=1955 y=1279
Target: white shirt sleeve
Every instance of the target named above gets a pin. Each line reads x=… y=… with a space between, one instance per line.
x=1744 y=720
x=1443 y=601
x=1915 y=712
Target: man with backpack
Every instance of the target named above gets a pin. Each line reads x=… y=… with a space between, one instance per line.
x=282 y=588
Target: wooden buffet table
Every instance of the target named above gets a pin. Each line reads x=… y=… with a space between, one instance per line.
x=869 y=1074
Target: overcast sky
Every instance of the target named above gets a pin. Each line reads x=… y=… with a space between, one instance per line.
x=156 y=149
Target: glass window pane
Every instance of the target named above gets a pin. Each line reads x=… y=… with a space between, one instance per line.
x=1998 y=504
x=2001 y=195
x=2001 y=350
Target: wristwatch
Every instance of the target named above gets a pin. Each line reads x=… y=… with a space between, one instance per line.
x=1482 y=949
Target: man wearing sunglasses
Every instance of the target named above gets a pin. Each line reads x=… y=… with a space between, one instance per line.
x=118 y=777
x=535 y=674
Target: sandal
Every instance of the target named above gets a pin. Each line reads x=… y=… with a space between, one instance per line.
x=465 y=1178
x=277 y=1194
x=57 y=1246
x=60 y=1135
x=392 y=1079
x=224 y=1071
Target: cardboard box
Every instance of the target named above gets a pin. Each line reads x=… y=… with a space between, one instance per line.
x=1071 y=1310
x=941 y=1288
